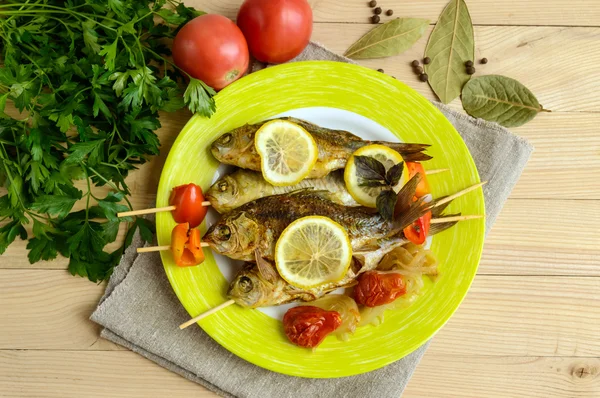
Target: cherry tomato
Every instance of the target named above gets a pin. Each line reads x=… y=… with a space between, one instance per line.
x=423 y=187
x=213 y=49
x=188 y=202
x=417 y=232
x=378 y=288
x=185 y=246
x=307 y=326
x=276 y=30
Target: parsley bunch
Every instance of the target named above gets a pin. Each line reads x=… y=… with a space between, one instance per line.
x=88 y=78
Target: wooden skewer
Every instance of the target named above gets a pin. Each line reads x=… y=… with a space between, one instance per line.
x=153 y=210
x=435 y=171
x=456 y=195
x=452 y=219
x=161 y=248
x=205 y=314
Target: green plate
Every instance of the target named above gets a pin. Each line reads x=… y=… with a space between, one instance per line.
x=256 y=336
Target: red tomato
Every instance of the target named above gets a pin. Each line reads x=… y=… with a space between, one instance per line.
x=188 y=202
x=276 y=30
x=378 y=288
x=423 y=187
x=186 y=246
x=307 y=326
x=213 y=49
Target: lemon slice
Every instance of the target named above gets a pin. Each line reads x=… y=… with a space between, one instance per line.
x=367 y=196
x=287 y=152
x=313 y=251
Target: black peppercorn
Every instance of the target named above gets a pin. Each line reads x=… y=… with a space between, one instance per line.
x=419 y=70
x=380 y=70
x=415 y=63
x=389 y=13
x=426 y=60
x=468 y=64
x=377 y=11
x=484 y=60
x=470 y=70
x=372 y=3
x=375 y=19
x=423 y=77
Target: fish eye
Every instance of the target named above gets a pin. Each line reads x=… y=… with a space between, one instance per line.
x=246 y=284
x=223 y=232
x=226 y=139
x=223 y=185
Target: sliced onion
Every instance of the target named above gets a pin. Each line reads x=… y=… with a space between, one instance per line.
x=346 y=307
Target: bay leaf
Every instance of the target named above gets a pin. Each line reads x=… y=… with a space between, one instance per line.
x=500 y=99
x=450 y=45
x=391 y=38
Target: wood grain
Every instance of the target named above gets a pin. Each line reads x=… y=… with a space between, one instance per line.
x=464 y=376
x=76 y=374
x=539 y=57
x=49 y=310
x=501 y=316
x=484 y=12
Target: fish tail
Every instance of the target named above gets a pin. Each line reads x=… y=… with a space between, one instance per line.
x=409 y=152
x=409 y=209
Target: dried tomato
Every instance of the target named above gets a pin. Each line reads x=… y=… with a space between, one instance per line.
x=378 y=288
x=307 y=326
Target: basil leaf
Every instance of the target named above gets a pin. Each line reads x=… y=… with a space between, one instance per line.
x=394 y=174
x=369 y=168
x=386 y=203
x=372 y=183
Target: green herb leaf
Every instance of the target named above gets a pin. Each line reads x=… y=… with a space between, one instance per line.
x=198 y=97
x=146 y=229
x=8 y=234
x=111 y=205
x=386 y=203
x=391 y=38
x=394 y=174
x=55 y=205
x=110 y=53
x=500 y=99
x=89 y=79
x=41 y=248
x=450 y=45
x=372 y=183
x=369 y=168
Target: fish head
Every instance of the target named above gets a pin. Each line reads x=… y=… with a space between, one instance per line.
x=233 y=144
x=248 y=288
x=223 y=192
x=236 y=235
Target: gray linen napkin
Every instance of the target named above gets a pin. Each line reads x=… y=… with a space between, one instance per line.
x=140 y=311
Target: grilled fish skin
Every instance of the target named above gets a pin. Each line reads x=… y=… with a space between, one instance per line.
x=256 y=226
x=243 y=186
x=335 y=147
x=251 y=289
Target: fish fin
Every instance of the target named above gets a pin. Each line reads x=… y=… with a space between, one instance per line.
x=318 y=193
x=439 y=227
x=438 y=210
x=265 y=268
x=409 y=210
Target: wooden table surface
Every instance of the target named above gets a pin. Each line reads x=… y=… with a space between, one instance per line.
x=529 y=327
